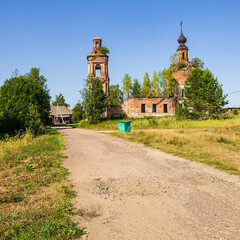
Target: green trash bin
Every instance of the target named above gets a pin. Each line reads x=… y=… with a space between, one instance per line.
x=124 y=126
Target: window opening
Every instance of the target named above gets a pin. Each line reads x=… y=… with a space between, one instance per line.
x=154 y=108
x=165 y=108
x=143 y=108
x=96 y=45
x=183 y=55
x=97 y=72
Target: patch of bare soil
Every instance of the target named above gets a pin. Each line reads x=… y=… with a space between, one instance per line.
x=126 y=191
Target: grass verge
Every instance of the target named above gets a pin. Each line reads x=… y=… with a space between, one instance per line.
x=34 y=194
x=161 y=123
x=218 y=147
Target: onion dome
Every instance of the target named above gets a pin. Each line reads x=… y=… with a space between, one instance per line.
x=182 y=39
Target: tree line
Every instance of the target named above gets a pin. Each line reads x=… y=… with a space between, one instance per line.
x=25 y=99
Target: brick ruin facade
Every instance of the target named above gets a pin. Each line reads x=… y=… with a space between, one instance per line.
x=141 y=107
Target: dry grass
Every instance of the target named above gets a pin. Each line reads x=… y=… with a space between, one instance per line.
x=218 y=147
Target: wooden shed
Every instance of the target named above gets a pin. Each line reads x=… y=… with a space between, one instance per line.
x=60 y=114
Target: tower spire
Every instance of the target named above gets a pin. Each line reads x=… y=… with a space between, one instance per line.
x=182 y=49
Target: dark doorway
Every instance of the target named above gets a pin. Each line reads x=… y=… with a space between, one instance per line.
x=154 y=108
x=165 y=108
x=143 y=108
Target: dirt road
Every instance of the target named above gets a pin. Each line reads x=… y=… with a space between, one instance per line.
x=126 y=191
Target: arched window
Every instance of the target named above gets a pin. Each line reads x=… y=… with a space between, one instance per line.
x=183 y=55
x=97 y=45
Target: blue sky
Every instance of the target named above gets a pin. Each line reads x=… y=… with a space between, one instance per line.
x=56 y=36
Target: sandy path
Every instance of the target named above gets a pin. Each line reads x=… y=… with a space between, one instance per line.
x=126 y=191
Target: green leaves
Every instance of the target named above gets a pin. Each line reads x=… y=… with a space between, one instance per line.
x=78 y=113
x=104 y=50
x=116 y=95
x=95 y=101
x=127 y=85
x=136 y=89
x=24 y=102
x=60 y=101
x=146 y=87
x=204 y=95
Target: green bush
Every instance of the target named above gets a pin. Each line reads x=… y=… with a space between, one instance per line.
x=235 y=111
x=24 y=103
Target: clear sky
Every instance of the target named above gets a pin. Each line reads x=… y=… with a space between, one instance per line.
x=56 y=36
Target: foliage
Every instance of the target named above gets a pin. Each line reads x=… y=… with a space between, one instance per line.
x=197 y=63
x=204 y=96
x=94 y=99
x=146 y=87
x=116 y=95
x=181 y=65
x=60 y=101
x=162 y=83
x=235 y=111
x=127 y=85
x=155 y=85
x=36 y=195
x=173 y=60
x=171 y=86
x=24 y=102
x=104 y=50
x=78 y=113
x=136 y=89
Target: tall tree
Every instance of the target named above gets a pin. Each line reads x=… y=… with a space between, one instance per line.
x=127 y=85
x=116 y=95
x=197 y=63
x=146 y=87
x=204 y=96
x=136 y=89
x=78 y=113
x=171 y=85
x=94 y=99
x=162 y=84
x=60 y=101
x=24 y=102
x=173 y=59
x=155 y=85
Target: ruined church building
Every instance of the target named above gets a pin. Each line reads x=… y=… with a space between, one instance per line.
x=140 y=107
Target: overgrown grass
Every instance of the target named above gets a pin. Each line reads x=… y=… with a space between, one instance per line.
x=218 y=146
x=162 y=123
x=34 y=195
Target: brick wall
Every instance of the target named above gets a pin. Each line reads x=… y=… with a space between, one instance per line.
x=133 y=107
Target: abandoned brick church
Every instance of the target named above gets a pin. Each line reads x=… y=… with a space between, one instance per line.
x=140 y=107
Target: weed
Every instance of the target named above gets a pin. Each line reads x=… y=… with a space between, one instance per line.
x=223 y=140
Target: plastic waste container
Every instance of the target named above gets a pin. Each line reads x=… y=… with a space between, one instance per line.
x=124 y=126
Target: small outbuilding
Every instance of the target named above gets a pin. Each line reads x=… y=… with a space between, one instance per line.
x=60 y=114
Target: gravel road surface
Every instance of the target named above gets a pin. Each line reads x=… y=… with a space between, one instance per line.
x=129 y=192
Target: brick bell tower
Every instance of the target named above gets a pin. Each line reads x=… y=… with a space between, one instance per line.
x=98 y=64
x=182 y=49
x=181 y=75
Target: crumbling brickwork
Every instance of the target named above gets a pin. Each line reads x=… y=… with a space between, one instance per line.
x=98 y=61
x=141 y=107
